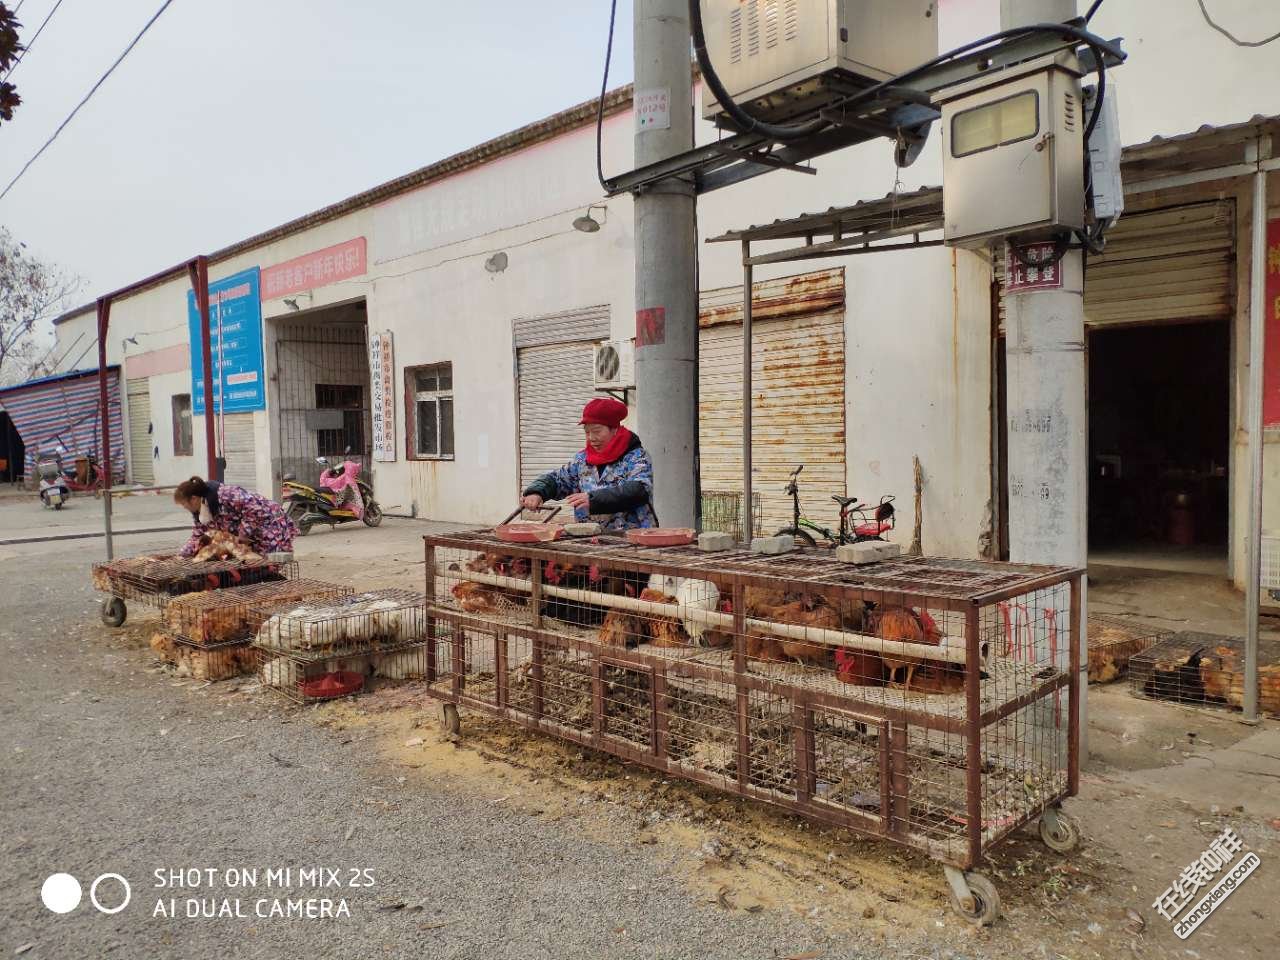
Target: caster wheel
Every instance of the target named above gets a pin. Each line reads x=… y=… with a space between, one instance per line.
x=986 y=902
x=1059 y=831
x=114 y=612
x=449 y=719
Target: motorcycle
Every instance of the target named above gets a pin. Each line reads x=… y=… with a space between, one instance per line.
x=54 y=491
x=342 y=497
x=81 y=475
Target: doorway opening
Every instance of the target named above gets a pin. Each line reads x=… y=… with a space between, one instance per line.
x=322 y=374
x=1159 y=442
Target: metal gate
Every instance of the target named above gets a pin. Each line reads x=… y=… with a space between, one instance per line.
x=555 y=370
x=141 y=432
x=323 y=374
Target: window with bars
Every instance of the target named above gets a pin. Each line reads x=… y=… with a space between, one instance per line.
x=349 y=399
x=429 y=412
x=181 y=407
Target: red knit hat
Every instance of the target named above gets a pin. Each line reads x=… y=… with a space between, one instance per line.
x=605 y=411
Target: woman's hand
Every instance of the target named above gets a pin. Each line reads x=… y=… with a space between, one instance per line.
x=531 y=502
x=578 y=500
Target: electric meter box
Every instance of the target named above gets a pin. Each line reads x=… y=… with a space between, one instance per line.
x=780 y=59
x=1013 y=154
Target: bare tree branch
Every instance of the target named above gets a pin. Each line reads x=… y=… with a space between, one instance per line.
x=32 y=293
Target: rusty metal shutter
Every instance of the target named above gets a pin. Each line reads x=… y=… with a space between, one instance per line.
x=554 y=379
x=798 y=375
x=141 y=432
x=1170 y=265
x=242 y=461
x=1164 y=266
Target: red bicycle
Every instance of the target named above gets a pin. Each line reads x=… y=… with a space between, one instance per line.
x=859 y=522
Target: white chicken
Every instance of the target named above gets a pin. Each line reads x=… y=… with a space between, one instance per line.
x=281 y=672
x=693 y=594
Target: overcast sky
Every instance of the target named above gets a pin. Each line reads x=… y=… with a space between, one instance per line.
x=235 y=116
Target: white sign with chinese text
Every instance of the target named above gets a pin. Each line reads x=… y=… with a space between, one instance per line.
x=653 y=109
x=382 y=379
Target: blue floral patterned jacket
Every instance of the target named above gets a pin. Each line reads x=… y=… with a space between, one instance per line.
x=621 y=492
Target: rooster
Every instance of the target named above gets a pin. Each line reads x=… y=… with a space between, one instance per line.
x=803 y=610
x=859 y=667
x=909 y=626
x=621 y=629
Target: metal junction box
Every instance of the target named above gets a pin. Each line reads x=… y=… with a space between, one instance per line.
x=783 y=58
x=1013 y=154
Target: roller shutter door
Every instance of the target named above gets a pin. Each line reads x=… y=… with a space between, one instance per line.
x=798 y=387
x=1171 y=265
x=242 y=461
x=554 y=367
x=141 y=432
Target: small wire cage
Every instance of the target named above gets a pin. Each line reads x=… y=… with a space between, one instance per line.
x=1113 y=642
x=308 y=679
x=378 y=621
x=1205 y=670
x=722 y=513
x=200 y=662
x=927 y=701
x=233 y=615
x=1270 y=570
x=155 y=580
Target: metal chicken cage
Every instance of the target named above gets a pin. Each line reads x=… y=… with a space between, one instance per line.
x=1205 y=670
x=327 y=648
x=934 y=703
x=214 y=617
x=155 y=580
x=1114 y=642
x=210 y=662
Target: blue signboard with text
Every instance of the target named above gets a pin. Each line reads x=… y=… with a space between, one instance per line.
x=235 y=339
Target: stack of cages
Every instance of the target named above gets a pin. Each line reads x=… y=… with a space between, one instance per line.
x=1114 y=642
x=931 y=702
x=1205 y=670
x=321 y=650
x=207 y=635
x=155 y=580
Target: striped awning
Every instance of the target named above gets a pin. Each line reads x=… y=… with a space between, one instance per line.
x=63 y=410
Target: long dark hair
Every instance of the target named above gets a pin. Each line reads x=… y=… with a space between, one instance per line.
x=195 y=487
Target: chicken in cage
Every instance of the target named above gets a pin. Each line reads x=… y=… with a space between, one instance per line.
x=309 y=678
x=929 y=702
x=204 y=662
x=365 y=622
x=215 y=617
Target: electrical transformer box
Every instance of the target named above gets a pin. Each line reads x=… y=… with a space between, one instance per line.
x=1013 y=154
x=780 y=59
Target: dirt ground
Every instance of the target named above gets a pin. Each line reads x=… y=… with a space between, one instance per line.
x=723 y=876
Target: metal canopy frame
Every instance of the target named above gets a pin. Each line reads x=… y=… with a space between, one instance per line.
x=198 y=271
x=902 y=112
x=1244 y=152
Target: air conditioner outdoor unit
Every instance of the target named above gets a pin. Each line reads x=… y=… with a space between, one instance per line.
x=615 y=365
x=780 y=59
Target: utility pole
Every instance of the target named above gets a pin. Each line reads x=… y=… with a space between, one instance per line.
x=1047 y=420
x=666 y=262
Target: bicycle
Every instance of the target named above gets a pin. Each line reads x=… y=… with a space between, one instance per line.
x=866 y=528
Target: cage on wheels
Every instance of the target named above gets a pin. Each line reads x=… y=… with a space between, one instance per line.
x=156 y=579
x=933 y=703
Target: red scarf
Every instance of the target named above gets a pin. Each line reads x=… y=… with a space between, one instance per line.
x=612 y=451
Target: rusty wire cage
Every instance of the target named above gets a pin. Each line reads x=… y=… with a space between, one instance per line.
x=722 y=513
x=330 y=647
x=1205 y=670
x=931 y=702
x=210 y=662
x=1113 y=642
x=214 y=617
x=155 y=580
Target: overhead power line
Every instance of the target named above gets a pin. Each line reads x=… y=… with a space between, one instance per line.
x=1231 y=36
x=94 y=89
x=27 y=49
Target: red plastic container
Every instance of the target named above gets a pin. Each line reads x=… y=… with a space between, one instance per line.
x=662 y=536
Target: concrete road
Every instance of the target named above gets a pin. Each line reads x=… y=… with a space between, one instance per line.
x=111 y=767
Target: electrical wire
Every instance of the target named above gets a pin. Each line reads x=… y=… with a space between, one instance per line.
x=605 y=184
x=1092 y=10
x=36 y=36
x=1231 y=36
x=87 y=97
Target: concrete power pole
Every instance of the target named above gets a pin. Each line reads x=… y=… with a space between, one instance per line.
x=666 y=262
x=1047 y=421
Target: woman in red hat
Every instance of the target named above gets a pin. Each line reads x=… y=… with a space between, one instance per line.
x=610 y=480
